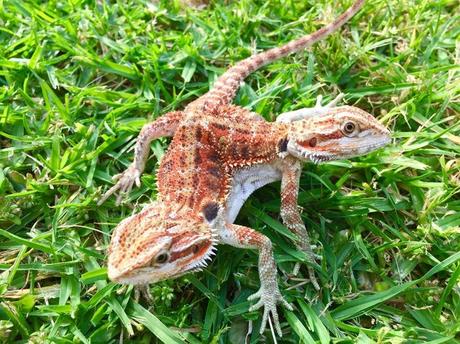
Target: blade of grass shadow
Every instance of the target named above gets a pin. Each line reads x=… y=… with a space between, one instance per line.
x=155 y=326
x=118 y=309
x=365 y=303
x=298 y=327
x=26 y=242
x=450 y=285
x=315 y=322
x=208 y=293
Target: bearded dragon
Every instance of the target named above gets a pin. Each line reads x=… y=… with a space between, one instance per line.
x=220 y=154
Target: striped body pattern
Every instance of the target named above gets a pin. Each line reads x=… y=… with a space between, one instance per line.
x=220 y=153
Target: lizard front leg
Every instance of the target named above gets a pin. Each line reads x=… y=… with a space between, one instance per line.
x=290 y=212
x=166 y=125
x=269 y=295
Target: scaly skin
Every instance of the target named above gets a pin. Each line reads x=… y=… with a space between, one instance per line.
x=219 y=154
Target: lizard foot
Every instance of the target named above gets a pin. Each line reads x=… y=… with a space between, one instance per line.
x=312 y=258
x=269 y=298
x=125 y=182
x=311 y=275
x=143 y=291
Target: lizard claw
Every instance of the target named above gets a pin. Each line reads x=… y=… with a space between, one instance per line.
x=269 y=298
x=311 y=275
x=311 y=258
x=125 y=182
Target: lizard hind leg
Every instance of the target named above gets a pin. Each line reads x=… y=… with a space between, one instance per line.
x=269 y=295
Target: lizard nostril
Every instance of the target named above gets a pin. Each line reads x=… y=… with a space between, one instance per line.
x=313 y=142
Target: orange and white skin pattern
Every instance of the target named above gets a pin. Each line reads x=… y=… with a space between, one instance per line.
x=219 y=155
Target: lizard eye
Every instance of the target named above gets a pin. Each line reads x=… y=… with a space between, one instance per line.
x=162 y=258
x=349 y=128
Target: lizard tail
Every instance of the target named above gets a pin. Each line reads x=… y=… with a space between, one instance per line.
x=224 y=89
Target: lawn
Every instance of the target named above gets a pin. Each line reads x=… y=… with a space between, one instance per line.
x=78 y=79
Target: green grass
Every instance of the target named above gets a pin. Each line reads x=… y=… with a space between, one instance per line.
x=78 y=79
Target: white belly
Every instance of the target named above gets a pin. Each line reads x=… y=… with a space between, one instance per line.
x=245 y=182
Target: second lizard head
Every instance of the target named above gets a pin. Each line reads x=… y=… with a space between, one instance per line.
x=342 y=133
x=158 y=244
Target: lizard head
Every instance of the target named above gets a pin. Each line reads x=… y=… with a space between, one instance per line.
x=343 y=132
x=154 y=245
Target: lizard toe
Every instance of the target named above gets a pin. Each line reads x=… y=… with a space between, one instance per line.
x=269 y=299
x=124 y=184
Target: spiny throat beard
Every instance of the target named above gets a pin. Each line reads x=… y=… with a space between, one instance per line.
x=202 y=262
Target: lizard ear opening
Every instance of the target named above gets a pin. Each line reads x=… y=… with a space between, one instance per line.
x=210 y=211
x=213 y=213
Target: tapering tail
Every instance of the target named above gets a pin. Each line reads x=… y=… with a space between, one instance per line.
x=224 y=89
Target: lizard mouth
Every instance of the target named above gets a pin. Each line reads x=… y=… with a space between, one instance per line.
x=346 y=151
x=370 y=146
x=304 y=154
x=150 y=275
